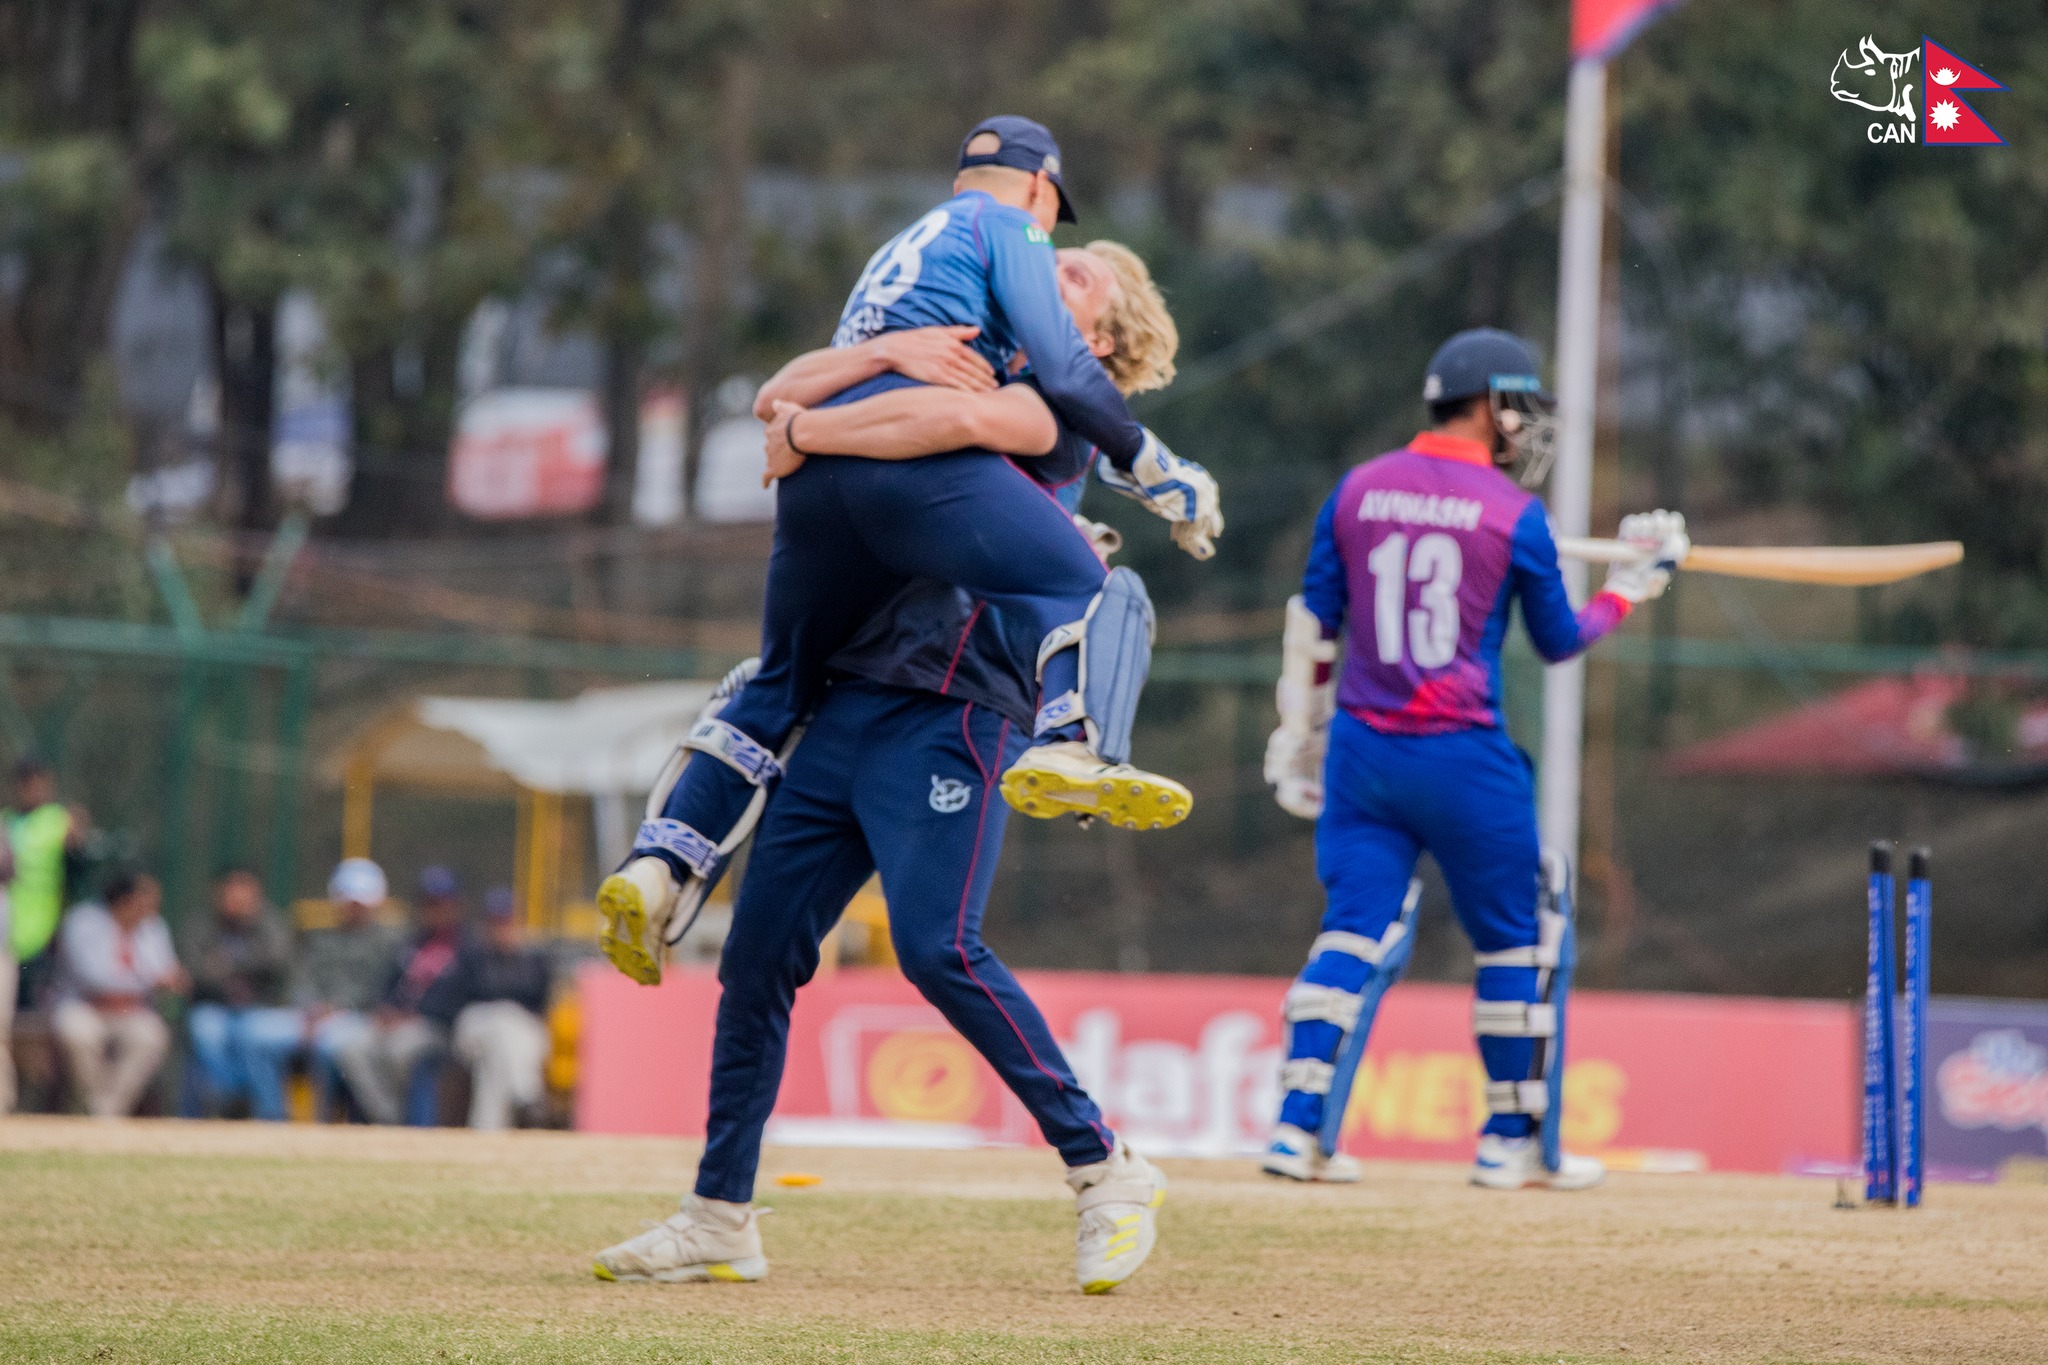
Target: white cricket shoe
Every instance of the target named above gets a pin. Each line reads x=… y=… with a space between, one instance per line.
x=636 y=902
x=1068 y=778
x=1505 y=1163
x=705 y=1239
x=1295 y=1154
x=1118 y=1203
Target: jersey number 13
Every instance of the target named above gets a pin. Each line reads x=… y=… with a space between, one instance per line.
x=1429 y=630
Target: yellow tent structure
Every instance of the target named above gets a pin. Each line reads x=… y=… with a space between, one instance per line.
x=597 y=754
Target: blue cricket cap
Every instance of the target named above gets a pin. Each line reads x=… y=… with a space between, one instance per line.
x=499 y=903
x=438 y=883
x=1022 y=145
x=1483 y=360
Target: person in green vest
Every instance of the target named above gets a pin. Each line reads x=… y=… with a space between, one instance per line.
x=8 y=975
x=43 y=832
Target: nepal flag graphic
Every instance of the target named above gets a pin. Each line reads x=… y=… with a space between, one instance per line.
x=1946 y=121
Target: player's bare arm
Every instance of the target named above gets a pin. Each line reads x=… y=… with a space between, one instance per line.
x=908 y=424
x=931 y=355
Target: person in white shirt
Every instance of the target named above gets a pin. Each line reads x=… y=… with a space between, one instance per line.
x=113 y=960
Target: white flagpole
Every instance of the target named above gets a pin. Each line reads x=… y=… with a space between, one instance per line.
x=1571 y=487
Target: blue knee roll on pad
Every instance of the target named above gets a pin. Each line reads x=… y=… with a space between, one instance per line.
x=1541 y=1094
x=698 y=853
x=735 y=749
x=1115 y=644
x=1386 y=958
x=708 y=858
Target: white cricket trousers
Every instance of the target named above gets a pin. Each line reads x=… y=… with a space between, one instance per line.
x=113 y=1055
x=504 y=1046
x=378 y=1060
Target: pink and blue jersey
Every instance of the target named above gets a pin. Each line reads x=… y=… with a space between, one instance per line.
x=1421 y=551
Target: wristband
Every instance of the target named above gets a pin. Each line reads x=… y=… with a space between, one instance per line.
x=789 y=437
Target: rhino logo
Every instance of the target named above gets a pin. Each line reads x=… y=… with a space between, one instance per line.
x=949 y=795
x=1876 y=80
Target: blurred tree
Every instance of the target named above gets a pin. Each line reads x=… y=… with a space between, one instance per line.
x=69 y=203
x=642 y=118
x=339 y=148
x=1867 y=319
x=1294 y=151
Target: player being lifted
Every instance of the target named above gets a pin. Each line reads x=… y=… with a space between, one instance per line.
x=850 y=533
x=930 y=701
x=1416 y=559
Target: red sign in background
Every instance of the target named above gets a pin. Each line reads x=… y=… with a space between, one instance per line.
x=1188 y=1065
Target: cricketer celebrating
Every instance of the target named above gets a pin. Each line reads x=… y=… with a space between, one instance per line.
x=897 y=772
x=850 y=533
x=1416 y=559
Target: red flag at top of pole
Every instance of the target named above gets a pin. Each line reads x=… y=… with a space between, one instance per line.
x=1602 y=28
x=1945 y=120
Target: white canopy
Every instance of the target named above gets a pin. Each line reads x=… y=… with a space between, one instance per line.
x=610 y=741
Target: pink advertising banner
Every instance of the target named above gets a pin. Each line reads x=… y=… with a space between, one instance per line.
x=1188 y=1065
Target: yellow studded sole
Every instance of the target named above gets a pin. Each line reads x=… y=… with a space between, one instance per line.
x=1131 y=800
x=599 y=1269
x=625 y=930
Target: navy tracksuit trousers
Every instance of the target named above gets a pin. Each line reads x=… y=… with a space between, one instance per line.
x=904 y=783
x=851 y=533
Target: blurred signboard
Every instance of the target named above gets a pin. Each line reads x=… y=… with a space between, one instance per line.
x=527 y=452
x=658 y=473
x=1987 y=1062
x=1188 y=1065
x=312 y=426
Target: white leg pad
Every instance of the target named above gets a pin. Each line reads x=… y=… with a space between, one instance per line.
x=1307 y=1075
x=1550 y=927
x=1518 y=1097
x=1327 y=1004
x=1366 y=950
x=1513 y=1019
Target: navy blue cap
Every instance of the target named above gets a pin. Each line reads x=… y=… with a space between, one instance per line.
x=498 y=903
x=1024 y=146
x=438 y=883
x=1483 y=360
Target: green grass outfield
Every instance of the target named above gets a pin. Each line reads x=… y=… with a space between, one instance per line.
x=191 y=1242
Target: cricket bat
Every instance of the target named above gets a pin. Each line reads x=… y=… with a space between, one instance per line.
x=1849 y=566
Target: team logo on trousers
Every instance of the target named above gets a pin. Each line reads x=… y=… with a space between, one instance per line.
x=1927 y=112
x=949 y=795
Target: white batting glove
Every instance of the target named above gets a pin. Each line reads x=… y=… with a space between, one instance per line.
x=1664 y=544
x=1294 y=769
x=1178 y=490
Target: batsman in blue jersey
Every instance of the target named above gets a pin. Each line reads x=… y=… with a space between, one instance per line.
x=898 y=773
x=1418 y=557
x=851 y=533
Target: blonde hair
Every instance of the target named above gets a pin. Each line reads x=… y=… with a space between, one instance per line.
x=1143 y=339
